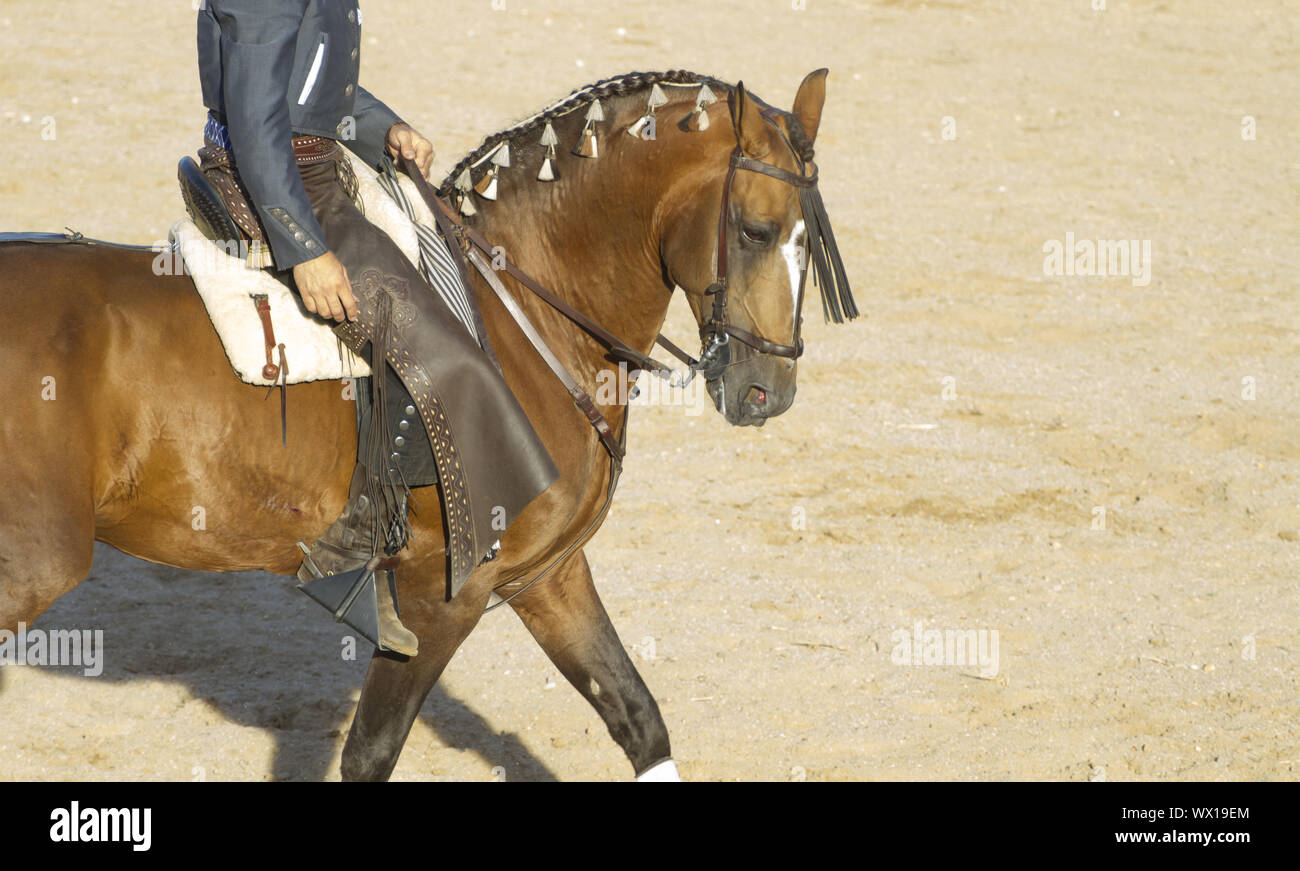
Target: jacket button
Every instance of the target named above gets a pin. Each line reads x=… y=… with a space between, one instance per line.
x=352 y=16
x=347 y=92
x=410 y=409
x=300 y=236
x=399 y=441
x=355 y=52
x=311 y=245
x=404 y=425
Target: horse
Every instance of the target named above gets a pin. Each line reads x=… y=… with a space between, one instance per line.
x=123 y=420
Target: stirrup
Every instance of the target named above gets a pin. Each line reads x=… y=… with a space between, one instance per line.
x=350 y=596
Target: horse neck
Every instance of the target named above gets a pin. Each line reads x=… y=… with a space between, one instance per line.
x=593 y=238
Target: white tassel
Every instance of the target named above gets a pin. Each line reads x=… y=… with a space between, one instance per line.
x=586 y=146
x=657 y=98
x=487 y=185
x=549 y=140
x=465 y=184
x=501 y=157
x=259 y=255
x=700 y=114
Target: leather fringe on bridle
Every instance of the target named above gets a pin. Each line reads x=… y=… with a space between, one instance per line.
x=828 y=271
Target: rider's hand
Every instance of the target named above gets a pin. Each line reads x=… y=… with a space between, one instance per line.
x=405 y=140
x=323 y=284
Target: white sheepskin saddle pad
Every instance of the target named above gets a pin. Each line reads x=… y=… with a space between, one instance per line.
x=311 y=349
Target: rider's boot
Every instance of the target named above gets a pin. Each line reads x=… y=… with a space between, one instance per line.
x=349 y=544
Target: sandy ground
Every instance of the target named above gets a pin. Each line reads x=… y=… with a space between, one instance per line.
x=1162 y=646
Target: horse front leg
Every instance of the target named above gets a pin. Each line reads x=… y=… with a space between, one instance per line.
x=396 y=687
x=565 y=615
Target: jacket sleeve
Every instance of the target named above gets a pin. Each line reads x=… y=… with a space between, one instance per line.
x=258 y=39
x=373 y=120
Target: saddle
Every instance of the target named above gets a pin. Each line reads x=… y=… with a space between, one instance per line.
x=269 y=337
x=205 y=204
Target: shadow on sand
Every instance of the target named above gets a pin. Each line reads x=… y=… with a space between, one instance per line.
x=258 y=652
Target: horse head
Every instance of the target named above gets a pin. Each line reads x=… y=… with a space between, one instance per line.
x=747 y=288
x=720 y=199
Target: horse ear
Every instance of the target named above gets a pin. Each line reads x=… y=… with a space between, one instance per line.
x=808 y=102
x=747 y=121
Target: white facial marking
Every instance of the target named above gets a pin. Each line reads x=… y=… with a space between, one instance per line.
x=793 y=252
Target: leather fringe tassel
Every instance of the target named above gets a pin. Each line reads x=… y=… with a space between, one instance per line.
x=831 y=279
x=388 y=497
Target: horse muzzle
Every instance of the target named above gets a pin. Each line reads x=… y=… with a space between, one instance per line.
x=747 y=396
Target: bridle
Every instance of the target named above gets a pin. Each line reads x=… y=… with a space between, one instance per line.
x=717 y=331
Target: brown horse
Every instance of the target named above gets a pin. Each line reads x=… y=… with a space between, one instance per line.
x=123 y=423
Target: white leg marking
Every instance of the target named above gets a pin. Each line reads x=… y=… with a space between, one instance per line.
x=663 y=772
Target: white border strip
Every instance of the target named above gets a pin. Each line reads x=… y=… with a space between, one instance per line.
x=311 y=76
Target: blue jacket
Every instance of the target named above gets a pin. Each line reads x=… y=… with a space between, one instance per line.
x=273 y=69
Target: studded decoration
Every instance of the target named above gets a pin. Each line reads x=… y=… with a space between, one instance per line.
x=587 y=142
x=452 y=482
x=549 y=141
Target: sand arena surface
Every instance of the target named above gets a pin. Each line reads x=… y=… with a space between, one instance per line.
x=1162 y=646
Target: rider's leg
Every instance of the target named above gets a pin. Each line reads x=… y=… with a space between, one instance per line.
x=486 y=447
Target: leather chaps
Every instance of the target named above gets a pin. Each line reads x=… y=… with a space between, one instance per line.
x=450 y=416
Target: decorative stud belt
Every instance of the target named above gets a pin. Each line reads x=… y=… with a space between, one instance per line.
x=308 y=150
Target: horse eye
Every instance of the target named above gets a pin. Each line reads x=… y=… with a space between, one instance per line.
x=755 y=234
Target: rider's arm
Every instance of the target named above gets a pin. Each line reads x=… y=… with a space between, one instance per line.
x=258 y=39
x=373 y=121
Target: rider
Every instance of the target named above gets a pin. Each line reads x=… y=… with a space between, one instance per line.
x=279 y=78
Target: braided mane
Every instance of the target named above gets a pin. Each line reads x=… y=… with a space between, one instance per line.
x=618 y=86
